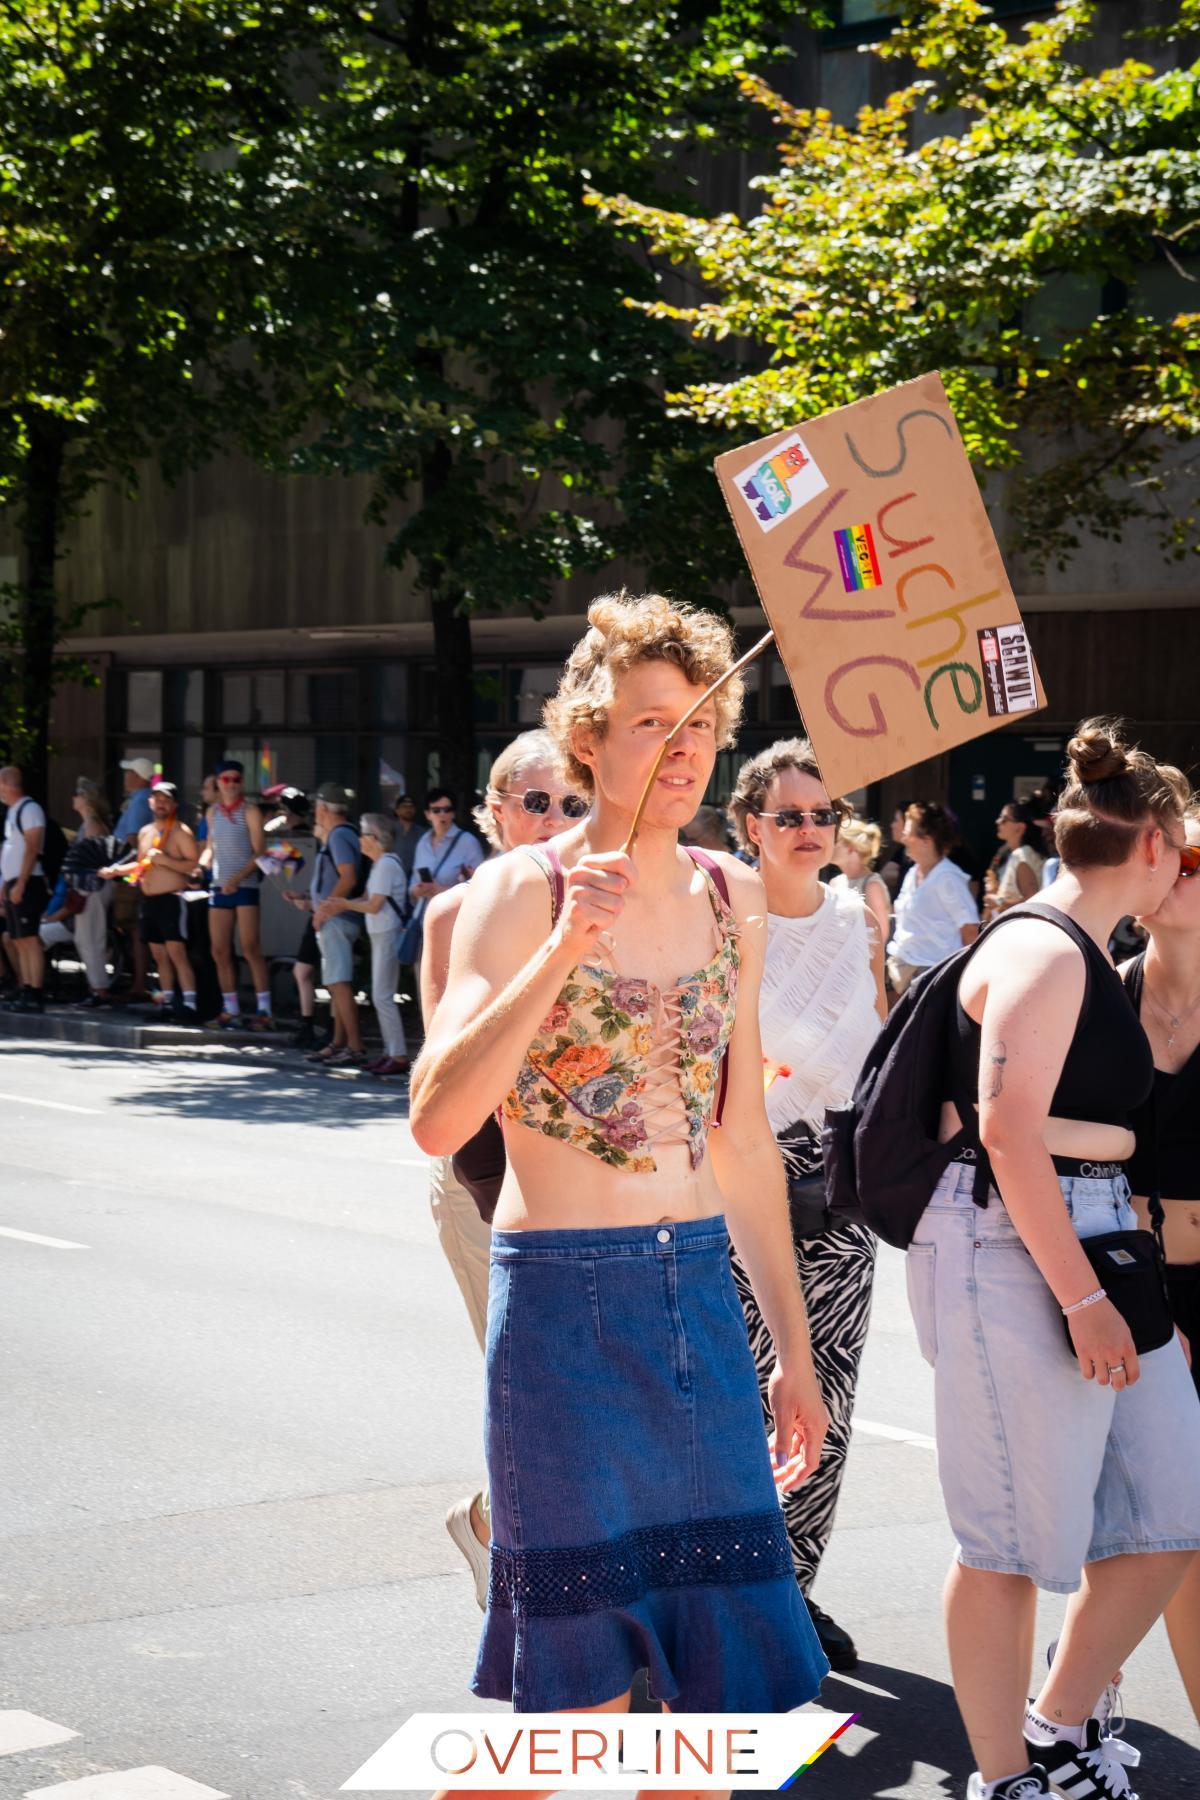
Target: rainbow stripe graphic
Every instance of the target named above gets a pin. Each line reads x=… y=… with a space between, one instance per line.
x=820 y=1751
x=857 y=559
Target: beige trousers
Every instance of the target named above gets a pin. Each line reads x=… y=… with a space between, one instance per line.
x=466 y=1242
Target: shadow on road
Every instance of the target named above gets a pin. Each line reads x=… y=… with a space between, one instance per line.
x=909 y=1744
x=281 y=1088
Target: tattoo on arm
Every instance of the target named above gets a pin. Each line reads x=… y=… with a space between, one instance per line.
x=998 y=1058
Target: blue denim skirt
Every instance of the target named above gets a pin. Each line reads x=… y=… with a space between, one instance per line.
x=635 y=1522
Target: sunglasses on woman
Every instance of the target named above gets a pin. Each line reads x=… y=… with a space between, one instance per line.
x=538 y=801
x=790 y=818
x=1189 y=860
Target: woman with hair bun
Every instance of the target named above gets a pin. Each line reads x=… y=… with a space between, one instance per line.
x=606 y=1003
x=1052 y=1461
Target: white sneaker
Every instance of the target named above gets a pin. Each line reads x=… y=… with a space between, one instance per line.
x=462 y=1533
x=1109 y=1710
x=1028 y=1786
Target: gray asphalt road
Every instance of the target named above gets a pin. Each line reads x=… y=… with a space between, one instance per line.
x=234 y=1414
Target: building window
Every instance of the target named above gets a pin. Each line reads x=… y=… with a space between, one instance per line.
x=144 y=701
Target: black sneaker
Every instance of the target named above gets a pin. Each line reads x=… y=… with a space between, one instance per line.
x=1094 y=1770
x=93 y=1003
x=305 y=1038
x=836 y=1642
x=1018 y=1787
x=186 y=1015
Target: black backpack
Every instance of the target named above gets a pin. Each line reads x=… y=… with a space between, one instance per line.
x=54 y=844
x=881 y=1151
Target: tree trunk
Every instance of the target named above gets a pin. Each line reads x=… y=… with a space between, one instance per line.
x=40 y=525
x=454 y=668
x=455 y=699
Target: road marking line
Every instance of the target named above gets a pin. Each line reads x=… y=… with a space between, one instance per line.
x=58 y=1105
x=26 y=1731
x=32 y=1237
x=409 y=1162
x=897 y=1432
x=149 y=1783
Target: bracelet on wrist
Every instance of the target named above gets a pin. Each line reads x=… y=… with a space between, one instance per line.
x=1088 y=1300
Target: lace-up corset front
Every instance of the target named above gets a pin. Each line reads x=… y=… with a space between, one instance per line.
x=620 y=1066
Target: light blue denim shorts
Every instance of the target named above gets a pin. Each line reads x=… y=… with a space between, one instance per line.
x=1041 y=1470
x=336 y=943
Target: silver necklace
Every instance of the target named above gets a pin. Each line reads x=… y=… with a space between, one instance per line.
x=1173 y=1020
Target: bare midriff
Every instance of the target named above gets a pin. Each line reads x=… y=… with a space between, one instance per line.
x=1083 y=1139
x=551 y=1186
x=1181 y=1227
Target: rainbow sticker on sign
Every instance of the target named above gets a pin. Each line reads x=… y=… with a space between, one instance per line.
x=857 y=559
x=787 y=479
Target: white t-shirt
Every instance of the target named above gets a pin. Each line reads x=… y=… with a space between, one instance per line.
x=12 y=856
x=387 y=877
x=930 y=915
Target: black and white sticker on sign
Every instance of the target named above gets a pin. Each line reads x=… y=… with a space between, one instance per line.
x=1008 y=680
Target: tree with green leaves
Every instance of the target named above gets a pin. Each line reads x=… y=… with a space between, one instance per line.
x=139 y=140
x=458 y=308
x=936 y=232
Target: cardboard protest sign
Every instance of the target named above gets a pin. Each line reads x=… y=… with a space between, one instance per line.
x=879 y=572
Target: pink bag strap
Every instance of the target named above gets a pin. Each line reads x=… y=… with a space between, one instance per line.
x=716 y=873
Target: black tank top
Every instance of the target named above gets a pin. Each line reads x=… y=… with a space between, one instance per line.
x=1167 y=1159
x=1109 y=1069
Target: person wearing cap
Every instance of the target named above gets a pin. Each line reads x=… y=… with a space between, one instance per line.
x=384 y=906
x=135 y=815
x=406 y=830
x=165 y=865
x=337 y=876
x=295 y=817
x=236 y=840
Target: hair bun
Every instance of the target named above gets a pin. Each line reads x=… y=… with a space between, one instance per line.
x=1095 y=756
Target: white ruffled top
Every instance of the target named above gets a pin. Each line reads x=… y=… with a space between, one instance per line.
x=817 y=1007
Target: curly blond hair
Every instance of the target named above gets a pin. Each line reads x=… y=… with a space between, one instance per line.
x=863 y=836
x=625 y=630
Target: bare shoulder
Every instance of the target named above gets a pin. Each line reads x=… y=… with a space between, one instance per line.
x=442 y=911
x=1028 y=953
x=515 y=886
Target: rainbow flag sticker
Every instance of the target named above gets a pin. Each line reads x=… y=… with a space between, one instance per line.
x=820 y=1751
x=857 y=559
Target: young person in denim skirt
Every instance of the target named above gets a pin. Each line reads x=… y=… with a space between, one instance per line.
x=602 y=1002
x=1052 y=1462
x=1164 y=984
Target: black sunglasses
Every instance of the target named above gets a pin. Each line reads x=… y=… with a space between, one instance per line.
x=790 y=818
x=537 y=800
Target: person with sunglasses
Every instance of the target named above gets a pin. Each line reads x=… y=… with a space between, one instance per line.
x=935 y=911
x=528 y=801
x=635 y=1519
x=820 y=1007
x=233 y=845
x=1164 y=984
x=1069 y=1461
x=445 y=855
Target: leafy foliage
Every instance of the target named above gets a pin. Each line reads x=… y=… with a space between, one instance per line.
x=901 y=244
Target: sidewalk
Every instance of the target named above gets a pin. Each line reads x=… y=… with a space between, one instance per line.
x=136 y=1028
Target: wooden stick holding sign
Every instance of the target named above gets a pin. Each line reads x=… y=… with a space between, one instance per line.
x=678 y=726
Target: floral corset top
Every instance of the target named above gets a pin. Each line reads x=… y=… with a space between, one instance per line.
x=620 y=1066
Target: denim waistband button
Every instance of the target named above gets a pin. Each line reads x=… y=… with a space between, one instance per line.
x=664 y=1237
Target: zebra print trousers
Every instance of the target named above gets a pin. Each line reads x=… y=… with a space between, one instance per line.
x=836 y=1271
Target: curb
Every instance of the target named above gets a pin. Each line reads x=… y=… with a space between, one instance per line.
x=63 y=1027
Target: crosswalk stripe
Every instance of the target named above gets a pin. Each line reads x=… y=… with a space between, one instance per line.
x=26 y=1731
x=149 y=1783
x=899 y=1433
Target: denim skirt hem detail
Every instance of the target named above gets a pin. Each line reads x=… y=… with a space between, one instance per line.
x=635 y=1523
